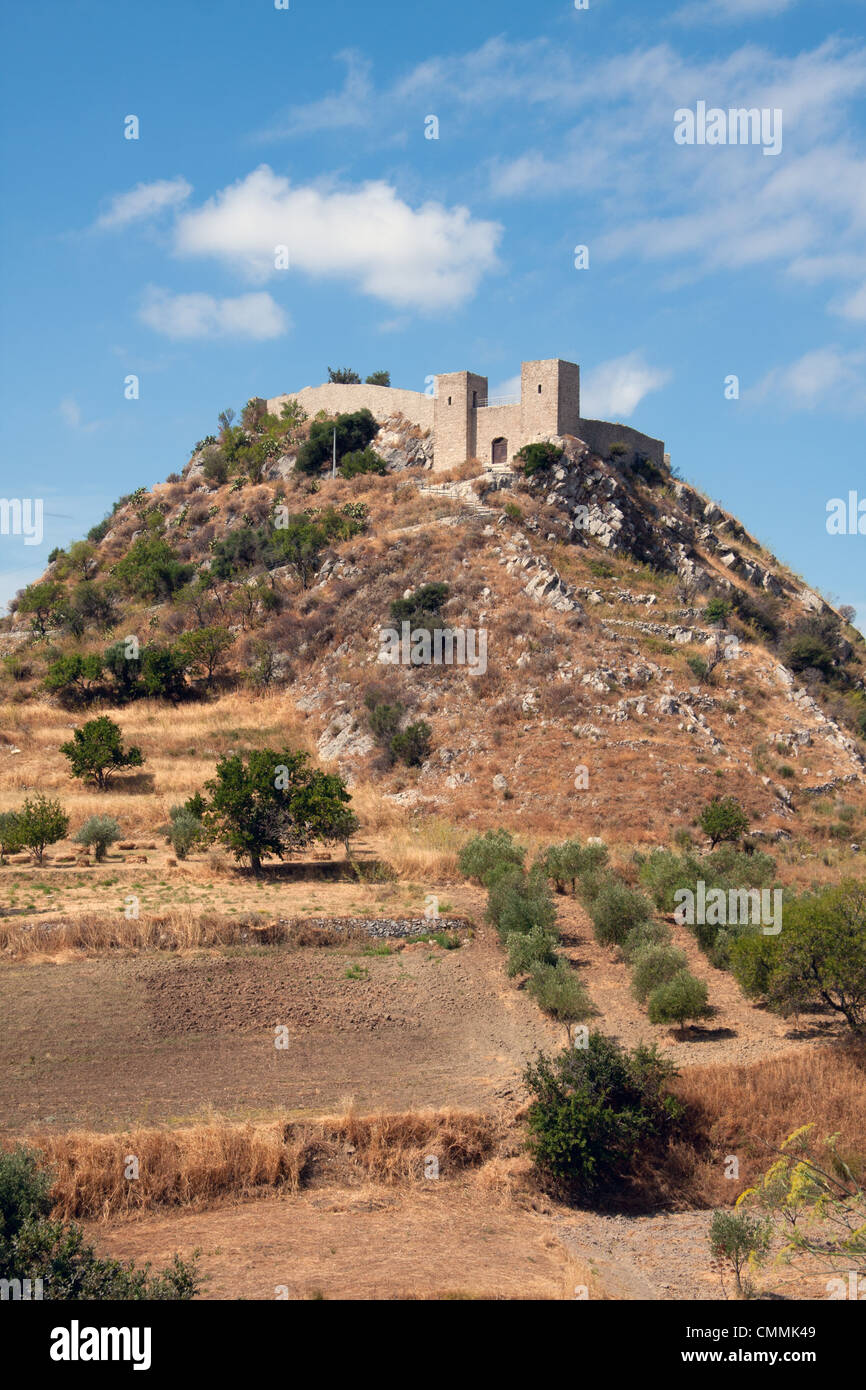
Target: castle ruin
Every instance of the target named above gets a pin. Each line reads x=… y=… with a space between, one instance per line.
x=468 y=424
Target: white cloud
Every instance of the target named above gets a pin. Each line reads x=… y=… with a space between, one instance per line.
x=202 y=316
x=144 y=201
x=70 y=413
x=351 y=106
x=430 y=258
x=614 y=389
x=510 y=387
x=854 y=305
x=826 y=377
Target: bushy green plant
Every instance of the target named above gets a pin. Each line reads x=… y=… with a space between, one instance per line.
x=413 y=744
x=517 y=901
x=652 y=933
x=681 y=998
x=818 y=958
x=96 y=752
x=41 y=822
x=558 y=990
x=35 y=1247
x=151 y=569
x=654 y=966
x=596 y=1109
x=485 y=854
x=354 y=431
x=528 y=949
x=724 y=819
x=184 y=830
x=361 y=461
x=616 y=911
x=566 y=862
x=538 y=457
x=99 y=831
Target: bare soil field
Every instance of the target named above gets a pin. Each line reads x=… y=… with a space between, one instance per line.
x=118 y=1039
x=445 y=1240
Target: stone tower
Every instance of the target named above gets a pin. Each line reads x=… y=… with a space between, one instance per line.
x=458 y=398
x=549 y=399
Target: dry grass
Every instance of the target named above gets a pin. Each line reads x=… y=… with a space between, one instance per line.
x=179 y=930
x=749 y=1110
x=202 y=1165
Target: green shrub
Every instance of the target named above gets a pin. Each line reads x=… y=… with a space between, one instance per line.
x=354 y=432
x=567 y=862
x=519 y=902
x=10 y=837
x=527 y=949
x=34 y=1247
x=650 y=933
x=724 y=819
x=654 y=966
x=99 y=831
x=413 y=744
x=597 y=1110
x=616 y=911
x=379 y=379
x=41 y=822
x=184 y=830
x=163 y=672
x=558 y=990
x=741 y=1240
x=717 y=610
x=151 y=570
x=680 y=998
x=96 y=752
x=538 y=457
x=422 y=608
x=361 y=461
x=75 y=678
x=485 y=854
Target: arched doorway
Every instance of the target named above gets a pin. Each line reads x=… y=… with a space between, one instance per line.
x=500 y=451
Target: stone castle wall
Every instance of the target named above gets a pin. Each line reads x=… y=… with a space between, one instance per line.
x=465 y=427
x=599 y=435
x=337 y=398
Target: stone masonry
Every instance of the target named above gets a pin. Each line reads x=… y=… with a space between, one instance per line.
x=467 y=424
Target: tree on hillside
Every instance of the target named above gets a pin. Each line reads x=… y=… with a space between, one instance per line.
x=723 y=819
x=355 y=430
x=151 y=569
x=379 y=379
x=272 y=801
x=10 y=833
x=819 y=957
x=44 y=604
x=162 y=672
x=96 y=752
x=596 y=1110
x=204 y=649
x=99 y=831
x=74 y=677
x=344 y=376
x=41 y=822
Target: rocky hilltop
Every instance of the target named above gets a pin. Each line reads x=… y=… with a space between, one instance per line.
x=642 y=650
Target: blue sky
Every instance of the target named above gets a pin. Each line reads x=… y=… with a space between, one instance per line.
x=305 y=127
